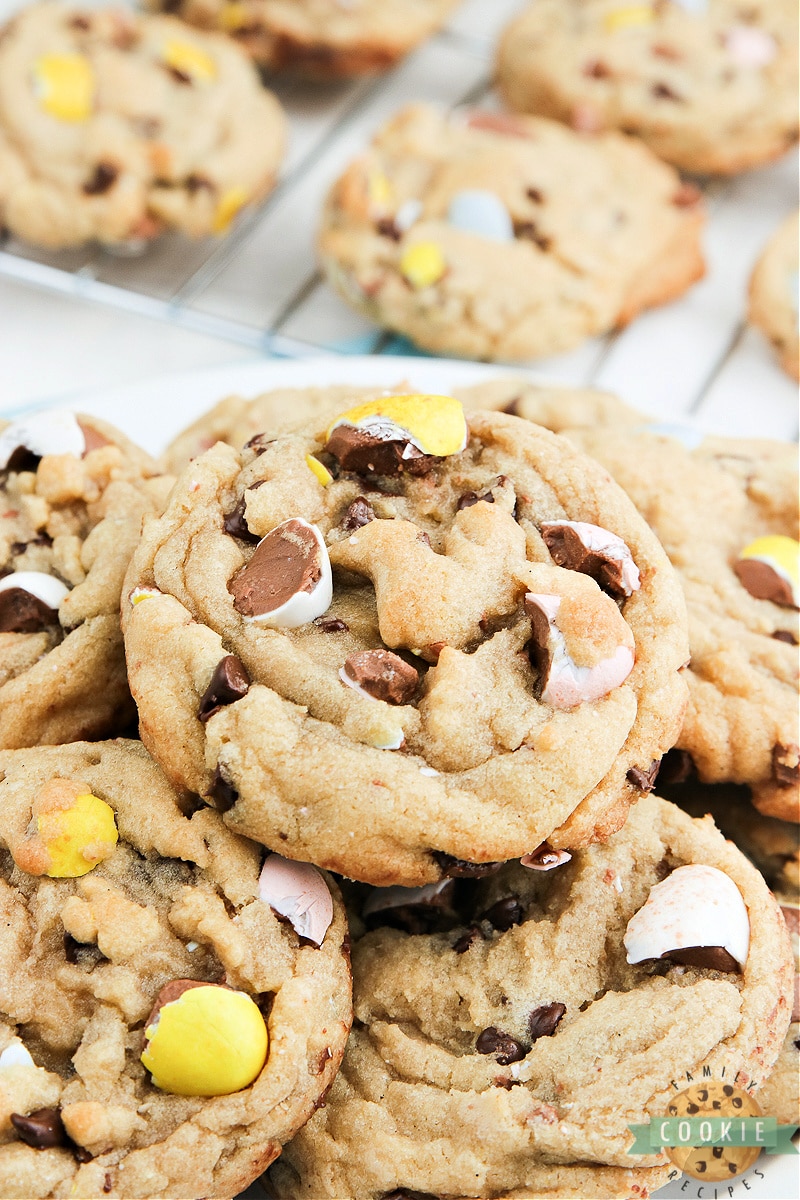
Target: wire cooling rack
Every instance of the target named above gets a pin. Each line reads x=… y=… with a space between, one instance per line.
x=260 y=285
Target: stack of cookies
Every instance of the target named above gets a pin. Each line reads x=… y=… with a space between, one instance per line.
x=429 y=645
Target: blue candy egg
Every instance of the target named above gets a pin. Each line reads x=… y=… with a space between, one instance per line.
x=482 y=213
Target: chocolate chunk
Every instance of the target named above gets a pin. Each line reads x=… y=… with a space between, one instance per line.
x=504 y=913
x=470 y=498
x=387 y=228
x=595 y=69
x=764 y=583
x=41 y=1129
x=331 y=625
x=405 y=1194
x=536 y=196
x=222 y=794
x=196 y=183
x=104 y=176
x=529 y=230
x=505 y=1048
x=676 y=767
x=285 y=562
x=383 y=675
x=785 y=635
x=229 y=682
x=432 y=912
x=785 y=764
x=512 y=408
x=459 y=868
x=22 y=612
x=235 y=524
x=358 y=451
x=543 y=1020
x=22 y=459
x=463 y=943
x=502 y=1082
x=713 y=958
x=178 y=75
x=358 y=514
x=662 y=91
x=645 y=781
x=616 y=574
x=81 y=953
x=41 y=539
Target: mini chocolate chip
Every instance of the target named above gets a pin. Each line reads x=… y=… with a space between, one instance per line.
x=662 y=91
x=229 y=683
x=645 y=781
x=196 y=183
x=504 y=913
x=41 y=1129
x=358 y=514
x=358 y=451
x=597 y=70
x=470 y=498
x=472 y=934
x=178 y=75
x=459 y=868
x=676 y=767
x=405 y=1194
x=41 y=539
x=108 y=1183
x=331 y=625
x=527 y=229
x=21 y=612
x=785 y=635
x=222 y=794
x=383 y=675
x=104 y=176
x=505 y=1048
x=713 y=958
x=81 y=953
x=234 y=523
x=785 y=764
x=81 y=1153
x=79 y=22
x=387 y=228
x=535 y=195
x=508 y=1084
x=544 y=1020
x=258 y=442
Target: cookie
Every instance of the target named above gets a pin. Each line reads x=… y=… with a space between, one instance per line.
x=73 y=494
x=780 y=1097
x=410 y=691
x=773 y=294
x=319 y=39
x=170 y=1013
x=115 y=127
x=557 y=1009
x=709 y=86
x=470 y=235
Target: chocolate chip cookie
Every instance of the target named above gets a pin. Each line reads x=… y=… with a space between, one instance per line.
x=773 y=294
x=500 y=237
x=710 y=86
x=506 y=1048
x=172 y=1004
x=320 y=39
x=394 y=641
x=115 y=127
x=74 y=492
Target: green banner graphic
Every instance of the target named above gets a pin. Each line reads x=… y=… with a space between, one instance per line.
x=714 y=1131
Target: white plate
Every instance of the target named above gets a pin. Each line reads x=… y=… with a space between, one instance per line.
x=152 y=412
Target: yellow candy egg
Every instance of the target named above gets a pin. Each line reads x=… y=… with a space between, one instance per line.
x=379 y=191
x=210 y=1041
x=435 y=424
x=229 y=205
x=190 y=60
x=64 y=85
x=423 y=264
x=234 y=16
x=319 y=469
x=628 y=17
x=781 y=555
x=79 y=837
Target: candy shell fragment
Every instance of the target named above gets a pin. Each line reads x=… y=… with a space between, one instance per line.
x=629 y=16
x=288 y=581
x=769 y=568
x=563 y=683
x=79 y=837
x=749 y=46
x=482 y=213
x=190 y=60
x=423 y=264
x=319 y=470
x=433 y=424
x=56 y=432
x=298 y=892
x=64 y=86
x=230 y=203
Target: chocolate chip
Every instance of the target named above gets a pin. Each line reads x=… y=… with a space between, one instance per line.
x=662 y=91
x=258 y=442
x=405 y=1194
x=358 y=451
x=41 y=1129
x=387 y=228
x=287 y=561
x=178 y=75
x=785 y=764
x=234 y=523
x=196 y=183
x=470 y=498
x=104 y=176
x=529 y=230
x=502 y=1082
x=222 y=794
x=108 y=1182
x=676 y=767
x=459 y=868
x=713 y=958
x=512 y=408
x=505 y=1048
x=359 y=513
x=595 y=69
x=229 y=683
x=645 y=781
x=535 y=195
x=21 y=612
x=785 y=635
x=79 y=22
x=81 y=953
x=331 y=625
x=463 y=943
x=504 y=913
x=544 y=1020
x=383 y=675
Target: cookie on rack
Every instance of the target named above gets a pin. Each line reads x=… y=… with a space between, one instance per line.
x=557 y=1008
x=497 y=237
x=709 y=85
x=356 y=639
x=319 y=39
x=773 y=294
x=173 y=1005
x=115 y=127
x=74 y=492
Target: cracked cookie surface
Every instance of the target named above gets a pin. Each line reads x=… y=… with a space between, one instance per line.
x=506 y=237
x=175 y=898
x=519 y=1031
x=710 y=88
x=773 y=294
x=115 y=127
x=466 y=748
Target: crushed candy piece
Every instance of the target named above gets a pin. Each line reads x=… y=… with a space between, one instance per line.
x=595 y=552
x=562 y=682
x=629 y=16
x=481 y=212
x=79 y=837
x=64 y=86
x=423 y=264
x=288 y=581
x=230 y=203
x=319 y=469
x=750 y=46
x=29 y=601
x=56 y=432
x=190 y=60
x=769 y=568
x=429 y=424
x=297 y=891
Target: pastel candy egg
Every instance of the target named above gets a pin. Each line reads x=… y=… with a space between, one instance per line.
x=379 y=191
x=482 y=213
x=79 y=837
x=628 y=16
x=434 y=424
x=230 y=203
x=204 y=1040
x=190 y=60
x=750 y=46
x=64 y=85
x=769 y=568
x=695 y=7
x=423 y=264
